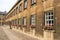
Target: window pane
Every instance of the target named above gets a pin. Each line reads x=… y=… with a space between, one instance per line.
x=25 y=4
x=20 y=7
x=16 y=10
x=50 y=22
x=33 y=1
x=51 y=17
x=19 y=21
x=24 y=21
x=33 y=20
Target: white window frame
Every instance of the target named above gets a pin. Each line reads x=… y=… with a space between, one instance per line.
x=48 y=20
x=25 y=4
x=24 y=21
x=33 y=20
x=33 y=1
x=19 y=21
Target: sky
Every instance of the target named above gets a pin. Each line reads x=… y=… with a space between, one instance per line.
x=6 y=5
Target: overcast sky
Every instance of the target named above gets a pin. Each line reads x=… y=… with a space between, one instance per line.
x=6 y=5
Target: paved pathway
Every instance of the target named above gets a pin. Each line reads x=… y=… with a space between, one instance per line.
x=10 y=35
x=15 y=35
x=3 y=36
x=23 y=36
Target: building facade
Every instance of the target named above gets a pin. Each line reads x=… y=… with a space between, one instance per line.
x=2 y=16
x=35 y=15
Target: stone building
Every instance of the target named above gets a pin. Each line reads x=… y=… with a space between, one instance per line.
x=35 y=15
x=2 y=16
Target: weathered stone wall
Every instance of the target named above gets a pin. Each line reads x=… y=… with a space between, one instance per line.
x=57 y=18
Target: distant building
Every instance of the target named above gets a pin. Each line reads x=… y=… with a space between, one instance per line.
x=2 y=16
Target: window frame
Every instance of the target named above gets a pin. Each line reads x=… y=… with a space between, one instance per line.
x=25 y=4
x=16 y=10
x=33 y=20
x=20 y=21
x=48 y=20
x=33 y=2
x=20 y=7
x=24 y=22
